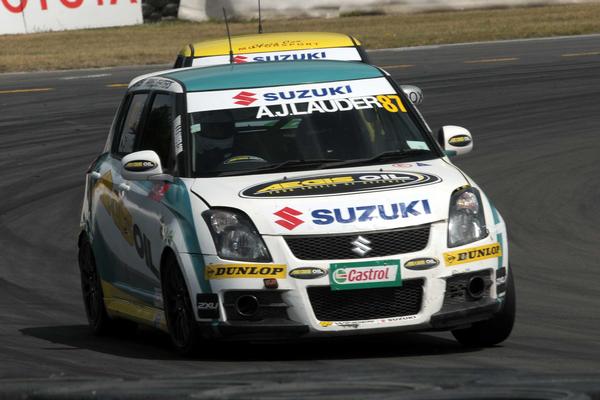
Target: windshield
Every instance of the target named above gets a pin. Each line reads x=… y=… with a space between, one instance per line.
x=303 y=127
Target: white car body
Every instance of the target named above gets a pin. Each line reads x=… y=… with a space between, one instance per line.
x=132 y=223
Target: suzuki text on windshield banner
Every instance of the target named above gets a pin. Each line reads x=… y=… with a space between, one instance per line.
x=340 y=54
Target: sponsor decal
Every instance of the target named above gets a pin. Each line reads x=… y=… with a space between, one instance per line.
x=166 y=233
x=177 y=135
x=123 y=220
x=358 y=323
x=295 y=56
x=289 y=218
x=459 y=140
x=244 y=98
x=280 y=43
x=154 y=83
x=140 y=165
x=322 y=185
x=308 y=273
x=359 y=275
x=207 y=305
x=341 y=53
x=302 y=99
x=237 y=159
x=472 y=254
x=114 y=206
x=325 y=216
x=421 y=264
x=326 y=91
x=262 y=271
x=369 y=213
x=404 y=318
x=328 y=106
x=354 y=325
x=159 y=190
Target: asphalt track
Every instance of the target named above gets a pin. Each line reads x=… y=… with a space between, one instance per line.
x=534 y=110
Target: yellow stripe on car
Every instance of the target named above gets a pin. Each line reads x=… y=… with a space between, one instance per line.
x=120 y=304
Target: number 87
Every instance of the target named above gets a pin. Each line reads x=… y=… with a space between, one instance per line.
x=386 y=102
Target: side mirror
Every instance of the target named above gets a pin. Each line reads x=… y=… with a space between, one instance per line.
x=455 y=140
x=414 y=93
x=143 y=166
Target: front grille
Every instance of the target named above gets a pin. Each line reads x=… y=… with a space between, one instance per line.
x=364 y=304
x=339 y=247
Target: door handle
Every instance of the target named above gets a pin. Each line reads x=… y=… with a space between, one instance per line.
x=124 y=187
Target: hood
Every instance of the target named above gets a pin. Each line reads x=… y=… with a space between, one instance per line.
x=332 y=201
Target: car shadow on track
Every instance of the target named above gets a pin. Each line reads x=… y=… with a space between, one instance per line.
x=151 y=344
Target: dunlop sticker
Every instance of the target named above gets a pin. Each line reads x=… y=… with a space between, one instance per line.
x=225 y=271
x=472 y=254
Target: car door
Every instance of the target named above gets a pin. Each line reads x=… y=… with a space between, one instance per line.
x=144 y=200
x=112 y=222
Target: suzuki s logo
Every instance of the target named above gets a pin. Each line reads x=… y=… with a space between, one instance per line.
x=361 y=246
x=289 y=218
x=244 y=98
x=240 y=59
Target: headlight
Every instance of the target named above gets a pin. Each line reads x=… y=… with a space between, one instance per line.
x=235 y=236
x=466 y=222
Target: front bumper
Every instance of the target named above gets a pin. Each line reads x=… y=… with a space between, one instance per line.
x=292 y=310
x=465 y=317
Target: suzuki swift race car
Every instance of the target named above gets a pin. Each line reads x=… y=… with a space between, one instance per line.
x=291 y=199
x=272 y=47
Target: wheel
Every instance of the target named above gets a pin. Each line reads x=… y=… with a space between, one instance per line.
x=494 y=330
x=91 y=289
x=181 y=323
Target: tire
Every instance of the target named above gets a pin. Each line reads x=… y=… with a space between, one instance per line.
x=179 y=314
x=495 y=330
x=91 y=290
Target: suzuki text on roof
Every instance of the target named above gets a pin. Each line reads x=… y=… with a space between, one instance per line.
x=285 y=200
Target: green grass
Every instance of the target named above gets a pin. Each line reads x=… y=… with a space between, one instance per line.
x=159 y=43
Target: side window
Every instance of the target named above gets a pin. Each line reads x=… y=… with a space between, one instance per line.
x=158 y=130
x=131 y=123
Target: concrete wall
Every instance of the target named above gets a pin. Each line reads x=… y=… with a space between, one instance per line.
x=200 y=10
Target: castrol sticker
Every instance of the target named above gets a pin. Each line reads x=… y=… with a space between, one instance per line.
x=369 y=274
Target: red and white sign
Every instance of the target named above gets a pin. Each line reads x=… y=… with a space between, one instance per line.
x=26 y=16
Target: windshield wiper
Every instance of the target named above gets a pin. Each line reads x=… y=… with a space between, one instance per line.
x=283 y=165
x=395 y=155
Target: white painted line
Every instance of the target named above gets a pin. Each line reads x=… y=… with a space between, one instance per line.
x=25 y=90
x=491 y=60
x=584 y=54
x=440 y=46
x=93 y=76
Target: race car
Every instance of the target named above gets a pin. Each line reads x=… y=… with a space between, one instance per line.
x=288 y=200
x=269 y=47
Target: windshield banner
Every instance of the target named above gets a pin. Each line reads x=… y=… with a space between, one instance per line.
x=343 y=92
x=341 y=54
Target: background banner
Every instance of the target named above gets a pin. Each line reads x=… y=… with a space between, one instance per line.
x=27 y=16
